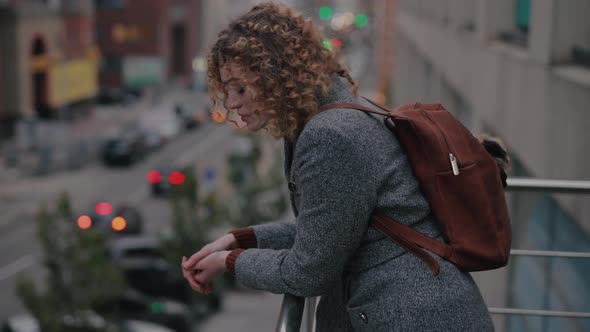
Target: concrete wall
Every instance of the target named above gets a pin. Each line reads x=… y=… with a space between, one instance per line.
x=531 y=96
x=507 y=90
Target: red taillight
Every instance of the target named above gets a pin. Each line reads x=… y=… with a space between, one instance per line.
x=119 y=224
x=176 y=178
x=84 y=222
x=154 y=177
x=104 y=208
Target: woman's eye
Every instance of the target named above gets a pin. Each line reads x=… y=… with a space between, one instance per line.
x=241 y=90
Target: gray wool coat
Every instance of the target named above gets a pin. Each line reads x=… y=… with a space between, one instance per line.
x=343 y=165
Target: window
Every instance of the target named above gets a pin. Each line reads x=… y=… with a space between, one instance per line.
x=111 y=63
x=522 y=14
x=516 y=24
x=571 y=28
x=581 y=55
x=111 y=4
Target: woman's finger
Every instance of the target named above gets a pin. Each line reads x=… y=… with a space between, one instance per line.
x=196 y=286
x=201 y=277
x=182 y=267
x=195 y=258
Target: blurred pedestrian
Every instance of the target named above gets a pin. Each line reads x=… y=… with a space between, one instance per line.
x=271 y=68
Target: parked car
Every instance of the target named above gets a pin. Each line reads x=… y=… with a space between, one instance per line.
x=135 y=246
x=138 y=306
x=102 y=217
x=145 y=269
x=155 y=277
x=186 y=120
x=28 y=323
x=125 y=148
x=153 y=139
x=142 y=262
x=163 y=179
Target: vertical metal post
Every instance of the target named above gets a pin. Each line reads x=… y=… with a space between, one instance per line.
x=310 y=306
x=291 y=314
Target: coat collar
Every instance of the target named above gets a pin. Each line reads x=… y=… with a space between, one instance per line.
x=339 y=92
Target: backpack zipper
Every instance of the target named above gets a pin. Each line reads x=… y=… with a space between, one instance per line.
x=452 y=158
x=454 y=164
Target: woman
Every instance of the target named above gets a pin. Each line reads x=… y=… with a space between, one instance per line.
x=271 y=68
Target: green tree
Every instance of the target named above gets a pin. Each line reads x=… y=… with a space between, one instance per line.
x=258 y=197
x=80 y=276
x=192 y=220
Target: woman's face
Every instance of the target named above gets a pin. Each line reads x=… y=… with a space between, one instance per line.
x=237 y=81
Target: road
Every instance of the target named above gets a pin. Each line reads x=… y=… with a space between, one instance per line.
x=205 y=147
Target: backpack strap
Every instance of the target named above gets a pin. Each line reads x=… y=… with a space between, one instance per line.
x=412 y=240
x=407 y=237
x=388 y=116
x=354 y=106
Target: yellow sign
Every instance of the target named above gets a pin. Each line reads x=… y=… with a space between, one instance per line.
x=72 y=80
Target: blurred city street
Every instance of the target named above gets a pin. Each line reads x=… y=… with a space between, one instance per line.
x=106 y=101
x=207 y=148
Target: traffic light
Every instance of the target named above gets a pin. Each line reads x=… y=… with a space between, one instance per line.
x=360 y=20
x=326 y=12
x=336 y=43
x=332 y=44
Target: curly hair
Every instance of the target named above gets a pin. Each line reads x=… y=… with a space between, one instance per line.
x=287 y=56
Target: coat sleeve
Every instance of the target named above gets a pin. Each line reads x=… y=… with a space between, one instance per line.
x=274 y=235
x=337 y=196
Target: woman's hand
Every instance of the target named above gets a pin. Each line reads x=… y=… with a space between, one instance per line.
x=189 y=269
x=201 y=275
x=226 y=242
x=189 y=275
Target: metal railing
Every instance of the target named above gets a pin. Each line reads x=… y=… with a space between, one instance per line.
x=291 y=314
x=551 y=186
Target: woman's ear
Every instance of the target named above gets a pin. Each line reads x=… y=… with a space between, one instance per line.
x=496 y=148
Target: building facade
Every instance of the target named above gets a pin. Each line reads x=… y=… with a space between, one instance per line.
x=517 y=69
x=49 y=67
x=146 y=42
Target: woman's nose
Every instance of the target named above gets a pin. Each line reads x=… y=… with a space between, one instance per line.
x=232 y=102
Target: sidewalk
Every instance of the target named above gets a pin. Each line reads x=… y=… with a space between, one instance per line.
x=245 y=311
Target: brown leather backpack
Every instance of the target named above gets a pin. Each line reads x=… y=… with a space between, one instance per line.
x=460 y=180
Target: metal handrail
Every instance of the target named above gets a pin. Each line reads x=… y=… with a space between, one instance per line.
x=549 y=253
x=546 y=185
x=555 y=187
x=544 y=313
x=291 y=314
